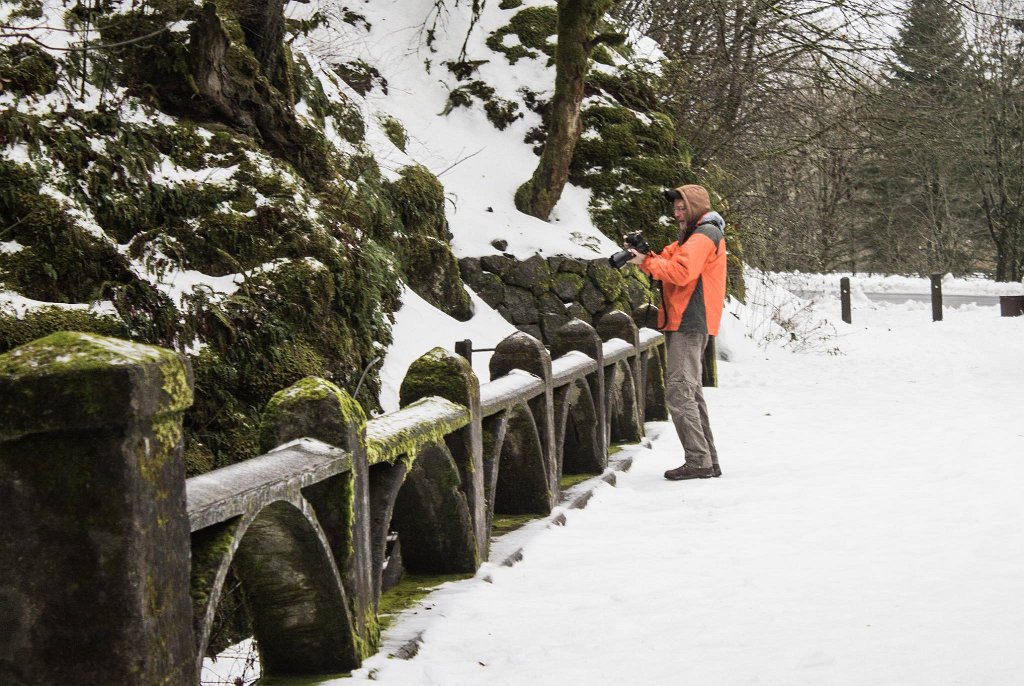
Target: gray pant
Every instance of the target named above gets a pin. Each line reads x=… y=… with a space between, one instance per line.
x=685 y=397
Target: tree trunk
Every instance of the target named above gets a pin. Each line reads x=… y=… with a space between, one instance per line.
x=576 y=22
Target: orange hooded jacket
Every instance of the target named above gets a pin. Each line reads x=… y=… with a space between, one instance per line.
x=692 y=270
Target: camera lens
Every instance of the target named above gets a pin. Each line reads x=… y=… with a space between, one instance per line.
x=619 y=259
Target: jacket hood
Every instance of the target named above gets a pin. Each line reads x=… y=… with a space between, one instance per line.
x=696 y=202
x=713 y=217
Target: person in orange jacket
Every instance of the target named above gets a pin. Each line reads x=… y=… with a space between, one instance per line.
x=692 y=275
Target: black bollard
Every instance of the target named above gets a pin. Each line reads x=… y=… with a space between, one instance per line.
x=936 y=297
x=844 y=297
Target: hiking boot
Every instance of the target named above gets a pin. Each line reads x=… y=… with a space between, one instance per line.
x=716 y=471
x=688 y=472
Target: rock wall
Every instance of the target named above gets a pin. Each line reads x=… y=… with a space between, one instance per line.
x=539 y=295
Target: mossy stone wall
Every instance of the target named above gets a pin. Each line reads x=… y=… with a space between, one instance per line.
x=539 y=295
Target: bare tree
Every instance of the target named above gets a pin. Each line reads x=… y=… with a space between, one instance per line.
x=997 y=159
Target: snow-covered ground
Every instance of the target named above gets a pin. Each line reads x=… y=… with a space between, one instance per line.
x=867 y=529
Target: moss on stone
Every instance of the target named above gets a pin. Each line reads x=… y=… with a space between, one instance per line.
x=369 y=642
x=198 y=458
x=410 y=590
x=607 y=279
x=313 y=388
x=418 y=197
x=68 y=351
x=210 y=548
x=569 y=480
x=441 y=373
x=41 y=322
x=506 y=523
x=430 y=269
x=533 y=26
x=389 y=444
x=501 y=112
x=79 y=374
x=395 y=132
x=362 y=77
x=327 y=222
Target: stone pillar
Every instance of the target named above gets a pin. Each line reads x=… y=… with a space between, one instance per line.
x=94 y=547
x=582 y=337
x=316 y=408
x=522 y=351
x=451 y=377
x=621 y=325
x=647 y=316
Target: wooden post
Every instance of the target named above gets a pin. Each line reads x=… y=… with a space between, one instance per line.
x=936 y=297
x=465 y=349
x=709 y=365
x=844 y=297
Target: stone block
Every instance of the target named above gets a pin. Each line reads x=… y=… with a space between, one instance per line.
x=608 y=280
x=567 y=286
x=591 y=298
x=491 y=289
x=499 y=264
x=92 y=495
x=533 y=274
x=522 y=308
x=469 y=268
x=532 y=329
x=578 y=311
x=573 y=265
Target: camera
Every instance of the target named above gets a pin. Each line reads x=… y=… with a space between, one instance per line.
x=634 y=240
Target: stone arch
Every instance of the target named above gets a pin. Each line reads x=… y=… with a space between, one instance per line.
x=385 y=482
x=300 y=610
x=494 y=429
x=655 y=408
x=623 y=416
x=580 y=447
x=432 y=516
x=523 y=482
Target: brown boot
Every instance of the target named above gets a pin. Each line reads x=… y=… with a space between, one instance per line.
x=688 y=472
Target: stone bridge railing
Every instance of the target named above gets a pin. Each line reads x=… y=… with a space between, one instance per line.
x=113 y=564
